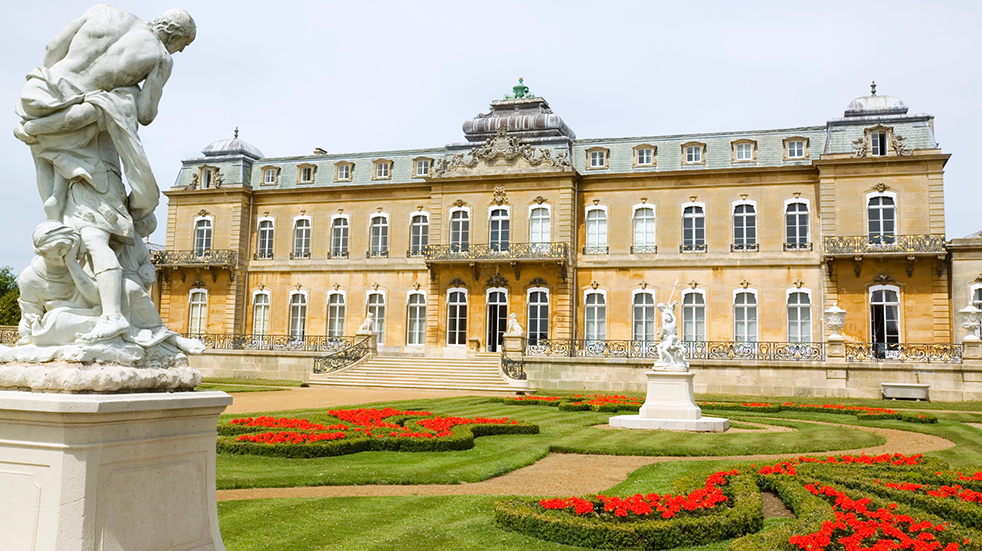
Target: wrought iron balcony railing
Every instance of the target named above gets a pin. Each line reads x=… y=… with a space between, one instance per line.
x=338 y=254
x=644 y=249
x=692 y=248
x=417 y=253
x=884 y=244
x=744 y=247
x=704 y=350
x=305 y=343
x=343 y=357
x=267 y=255
x=797 y=246
x=484 y=251
x=377 y=254
x=946 y=353
x=224 y=258
x=596 y=250
x=300 y=255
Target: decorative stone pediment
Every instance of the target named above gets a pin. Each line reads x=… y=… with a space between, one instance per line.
x=501 y=154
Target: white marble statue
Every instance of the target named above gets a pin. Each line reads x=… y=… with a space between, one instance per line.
x=368 y=327
x=86 y=292
x=513 y=327
x=671 y=352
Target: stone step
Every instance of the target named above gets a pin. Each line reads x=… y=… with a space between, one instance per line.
x=479 y=374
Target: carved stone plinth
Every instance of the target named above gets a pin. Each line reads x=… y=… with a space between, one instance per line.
x=670 y=405
x=133 y=472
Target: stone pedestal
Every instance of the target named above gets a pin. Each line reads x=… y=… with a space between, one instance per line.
x=118 y=472
x=670 y=405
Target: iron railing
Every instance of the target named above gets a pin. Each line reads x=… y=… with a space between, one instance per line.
x=343 y=357
x=266 y=255
x=207 y=257
x=377 y=254
x=305 y=343
x=884 y=244
x=692 y=248
x=744 y=247
x=644 y=249
x=300 y=255
x=338 y=254
x=596 y=250
x=946 y=353
x=797 y=246
x=703 y=350
x=514 y=369
x=414 y=253
x=497 y=251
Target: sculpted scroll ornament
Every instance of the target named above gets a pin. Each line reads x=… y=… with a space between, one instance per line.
x=501 y=147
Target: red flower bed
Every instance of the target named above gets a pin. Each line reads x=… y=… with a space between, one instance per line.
x=283 y=423
x=667 y=506
x=290 y=437
x=533 y=398
x=945 y=491
x=783 y=467
x=600 y=399
x=857 y=528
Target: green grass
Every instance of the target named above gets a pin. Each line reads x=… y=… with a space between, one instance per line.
x=868 y=402
x=228 y=384
x=444 y=523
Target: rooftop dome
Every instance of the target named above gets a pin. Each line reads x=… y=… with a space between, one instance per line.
x=875 y=105
x=525 y=115
x=235 y=146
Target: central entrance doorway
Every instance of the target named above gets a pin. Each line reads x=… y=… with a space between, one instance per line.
x=497 y=318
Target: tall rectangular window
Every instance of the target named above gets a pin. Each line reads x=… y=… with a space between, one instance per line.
x=693 y=317
x=457 y=318
x=379 y=236
x=744 y=228
x=878 y=144
x=260 y=315
x=419 y=234
x=796 y=226
x=799 y=318
x=596 y=231
x=745 y=317
x=202 y=236
x=416 y=325
x=596 y=317
x=335 y=315
x=301 y=238
x=339 y=237
x=539 y=226
x=264 y=248
x=644 y=317
x=298 y=316
x=693 y=229
x=498 y=230
x=882 y=217
x=460 y=228
x=644 y=229
x=198 y=313
x=884 y=320
x=376 y=307
x=538 y=319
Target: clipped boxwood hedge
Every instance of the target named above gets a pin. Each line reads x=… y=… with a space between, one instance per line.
x=568 y=403
x=529 y=518
x=861 y=415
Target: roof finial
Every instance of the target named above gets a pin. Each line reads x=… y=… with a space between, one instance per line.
x=872 y=88
x=237 y=132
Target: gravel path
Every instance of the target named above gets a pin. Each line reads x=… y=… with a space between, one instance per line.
x=555 y=474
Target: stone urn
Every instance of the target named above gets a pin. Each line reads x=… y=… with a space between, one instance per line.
x=970 y=318
x=835 y=318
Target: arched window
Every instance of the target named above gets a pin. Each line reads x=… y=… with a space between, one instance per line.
x=198 y=312
x=745 y=227
x=596 y=231
x=644 y=317
x=301 y=238
x=339 y=237
x=539 y=226
x=419 y=234
x=745 y=317
x=416 y=326
x=596 y=316
x=260 y=314
x=264 y=245
x=799 y=317
x=796 y=227
x=882 y=220
x=498 y=229
x=298 y=315
x=376 y=307
x=644 y=230
x=460 y=230
x=693 y=316
x=379 y=236
x=335 y=314
x=457 y=317
x=693 y=228
x=538 y=315
x=202 y=236
x=884 y=303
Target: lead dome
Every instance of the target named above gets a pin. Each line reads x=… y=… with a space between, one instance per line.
x=235 y=146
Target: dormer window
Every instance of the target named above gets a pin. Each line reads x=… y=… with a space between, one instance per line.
x=597 y=158
x=271 y=175
x=644 y=155
x=421 y=167
x=744 y=151
x=694 y=153
x=383 y=170
x=209 y=177
x=305 y=173
x=795 y=148
x=878 y=143
x=342 y=172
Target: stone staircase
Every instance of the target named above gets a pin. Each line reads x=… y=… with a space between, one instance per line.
x=479 y=374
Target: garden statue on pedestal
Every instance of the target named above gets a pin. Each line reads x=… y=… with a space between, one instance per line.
x=671 y=352
x=84 y=297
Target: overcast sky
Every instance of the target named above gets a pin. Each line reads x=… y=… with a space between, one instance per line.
x=369 y=76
